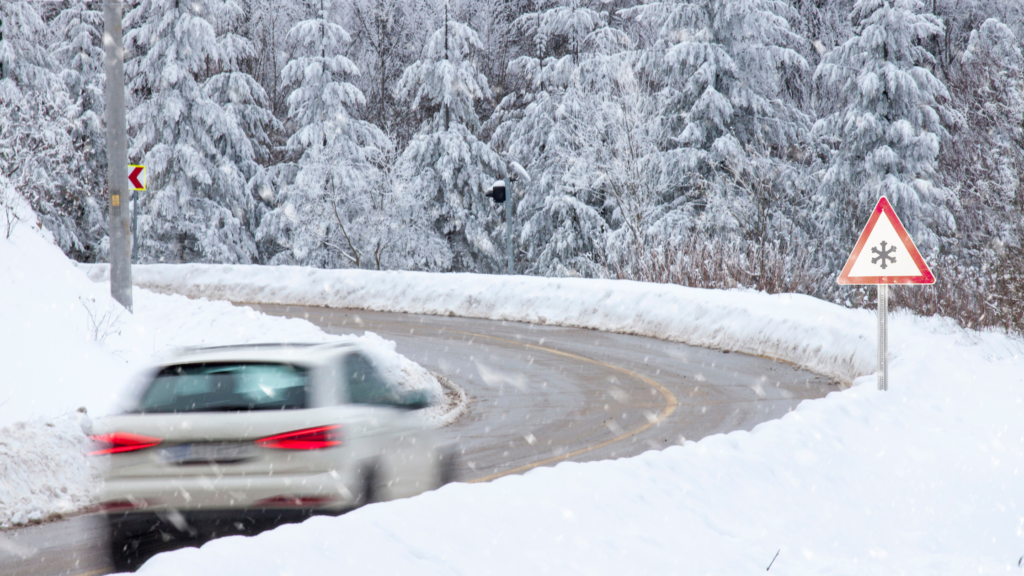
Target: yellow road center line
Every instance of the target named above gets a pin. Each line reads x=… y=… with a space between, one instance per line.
x=670 y=405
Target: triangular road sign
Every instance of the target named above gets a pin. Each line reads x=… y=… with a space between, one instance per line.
x=892 y=258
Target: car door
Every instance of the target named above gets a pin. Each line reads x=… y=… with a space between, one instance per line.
x=404 y=453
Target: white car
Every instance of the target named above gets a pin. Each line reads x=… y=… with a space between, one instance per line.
x=238 y=439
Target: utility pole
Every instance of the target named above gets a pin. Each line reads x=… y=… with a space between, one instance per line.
x=117 y=156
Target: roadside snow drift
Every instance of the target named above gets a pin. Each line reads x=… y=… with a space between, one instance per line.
x=795 y=328
x=65 y=344
x=43 y=469
x=922 y=479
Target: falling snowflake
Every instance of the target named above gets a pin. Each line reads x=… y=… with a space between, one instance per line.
x=883 y=255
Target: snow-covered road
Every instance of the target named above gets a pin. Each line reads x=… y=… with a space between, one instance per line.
x=543 y=394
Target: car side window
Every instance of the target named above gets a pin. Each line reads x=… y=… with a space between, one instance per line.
x=365 y=384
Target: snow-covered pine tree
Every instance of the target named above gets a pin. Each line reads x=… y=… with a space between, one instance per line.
x=881 y=124
x=246 y=102
x=79 y=52
x=565 y=132
x=392 y=219
x=449 y=165
x=265 y=23
x=301 y=228
x=194 y=148
x=344 y=208
x=730 y=83
x=495 y=23
x=36 y=122
x=563 y=231
x=387 y=36
x=728 y=70
x=237 y=91
x=984 y=155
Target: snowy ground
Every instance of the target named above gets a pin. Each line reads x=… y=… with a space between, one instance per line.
x=65 y=345
x=922 y=479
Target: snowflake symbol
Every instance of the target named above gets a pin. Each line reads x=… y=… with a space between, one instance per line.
x=883 y=255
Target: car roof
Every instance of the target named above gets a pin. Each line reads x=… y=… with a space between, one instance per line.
x=299 y=353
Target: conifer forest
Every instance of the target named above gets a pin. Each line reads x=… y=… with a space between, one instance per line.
x=709 y=143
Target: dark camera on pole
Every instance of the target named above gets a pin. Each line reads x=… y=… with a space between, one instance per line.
x=497 y=192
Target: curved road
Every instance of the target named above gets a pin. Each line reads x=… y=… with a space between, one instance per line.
x=539 y=395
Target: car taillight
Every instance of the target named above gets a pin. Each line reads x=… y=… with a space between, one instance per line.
x=307 y=439
x=125 y=505
x=116 y=442
x=295 y=501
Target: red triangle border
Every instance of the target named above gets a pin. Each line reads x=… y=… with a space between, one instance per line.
x=883 y=206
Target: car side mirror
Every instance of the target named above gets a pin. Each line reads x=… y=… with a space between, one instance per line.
x=416 y=400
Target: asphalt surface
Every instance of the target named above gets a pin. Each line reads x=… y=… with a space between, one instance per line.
x=539 y=395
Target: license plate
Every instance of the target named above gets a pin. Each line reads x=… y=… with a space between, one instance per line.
x=208 y=453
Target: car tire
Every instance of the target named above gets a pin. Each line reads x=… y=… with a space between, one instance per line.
x=447 y=468
x=371 y=486
x=125 y=554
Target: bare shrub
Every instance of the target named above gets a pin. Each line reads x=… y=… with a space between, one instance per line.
x=9 y=206
x=102 y=321
x=990 y=295
x=982 y=296
x=704 y=263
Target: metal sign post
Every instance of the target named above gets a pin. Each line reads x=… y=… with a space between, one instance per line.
x=509 y=224
x=498 y=194
x=892 y=259
x=883 y=336
x=137 y=178
x=135 y=227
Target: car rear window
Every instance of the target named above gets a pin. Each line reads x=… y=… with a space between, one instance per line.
x=226 y=387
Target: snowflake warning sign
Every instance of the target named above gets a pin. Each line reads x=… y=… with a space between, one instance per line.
x=885 y=254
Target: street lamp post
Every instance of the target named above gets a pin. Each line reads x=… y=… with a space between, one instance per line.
x=510 y=223
x=499 y=195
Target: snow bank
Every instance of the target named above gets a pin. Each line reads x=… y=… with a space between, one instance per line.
x=43 y=471
x=50 y=360
x=65 y=344
x=923 y=479
x=795 y=328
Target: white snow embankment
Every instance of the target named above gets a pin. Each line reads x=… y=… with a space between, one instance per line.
x=791 y=327
x=43 y=469
x=922 y=479
x=65 y=344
